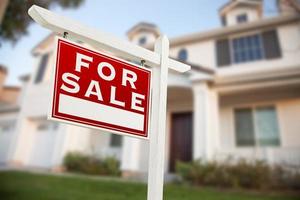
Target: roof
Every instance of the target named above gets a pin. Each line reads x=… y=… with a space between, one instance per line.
x=3 y=69
x=233 y=3
x=293 y=3
x=11 y=87
x=141 y=27
x=196 y=67
x=225 y=31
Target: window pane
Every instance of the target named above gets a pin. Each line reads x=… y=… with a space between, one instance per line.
x=183 y=55
x=115 y=140
x=247 y=48
x=244 y=128
x=266 y=126
x=242 y=18
x=142 y=41
x=235 y=44
x=257 y=41
x=251 y=55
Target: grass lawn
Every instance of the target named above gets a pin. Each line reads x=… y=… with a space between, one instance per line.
x=25 y=185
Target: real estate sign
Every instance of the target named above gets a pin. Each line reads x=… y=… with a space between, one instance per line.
x=97 y=90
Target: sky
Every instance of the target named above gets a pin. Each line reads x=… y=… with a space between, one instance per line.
x=174 y=18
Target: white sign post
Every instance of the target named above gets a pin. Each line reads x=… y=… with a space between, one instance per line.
x=158 y=127
x=159 y=60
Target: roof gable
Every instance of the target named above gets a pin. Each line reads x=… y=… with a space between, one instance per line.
x=143 y=26
x=235 y=3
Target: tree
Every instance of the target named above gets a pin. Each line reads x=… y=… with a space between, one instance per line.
x=16 y=20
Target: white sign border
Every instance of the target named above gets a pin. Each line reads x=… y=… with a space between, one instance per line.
x=52 y=85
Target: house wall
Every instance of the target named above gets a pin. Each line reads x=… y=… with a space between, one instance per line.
x=99 y=145
x=203 y=53
x=7 y=121
x=251 y=12
x=10 y=95
x=150 y=37
x=288 y=113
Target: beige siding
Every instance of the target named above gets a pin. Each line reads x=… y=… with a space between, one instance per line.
x=289 y=117
x=227 y=128
x=201 y=53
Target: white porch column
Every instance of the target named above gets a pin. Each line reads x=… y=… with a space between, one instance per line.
x=130 y=155
x=206 y=122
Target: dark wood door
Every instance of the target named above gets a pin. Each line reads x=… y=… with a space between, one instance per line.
x=181 y=145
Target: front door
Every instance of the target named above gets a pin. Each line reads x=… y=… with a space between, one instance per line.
x=181 y=138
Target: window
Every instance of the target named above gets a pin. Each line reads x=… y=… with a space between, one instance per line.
x=247 y=48
x=256 y=127
x=242 y=18
x=46 y=125
x=244 y=127
x=142 y=40
x=183 y=55
x=265 y=45
x=42 y=68
x=115 y=140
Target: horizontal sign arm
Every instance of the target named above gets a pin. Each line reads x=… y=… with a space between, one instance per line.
x=100 y=39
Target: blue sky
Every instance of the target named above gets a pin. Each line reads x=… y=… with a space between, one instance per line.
x=174 y=18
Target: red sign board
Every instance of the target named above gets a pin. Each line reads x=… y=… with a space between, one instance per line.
x=95 y=90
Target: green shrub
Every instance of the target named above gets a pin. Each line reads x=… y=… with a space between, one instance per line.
x=256 y=175
x=111 y=166
x=251 y=175
x=295 y=181
x=78 y=162
x=75 y=161
x=210 y=173
x=285 y=179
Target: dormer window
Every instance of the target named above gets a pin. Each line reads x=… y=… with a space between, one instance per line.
x=183 y=55
x=241 y=11
x=242 y=18
x=142 y=40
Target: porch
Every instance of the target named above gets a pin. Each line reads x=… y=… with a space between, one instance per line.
x=216 y=121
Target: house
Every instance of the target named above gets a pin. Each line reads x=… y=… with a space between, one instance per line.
x=240 y=100
x=9 y=99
